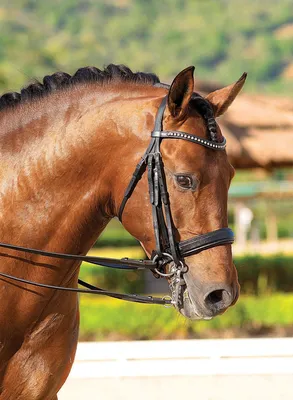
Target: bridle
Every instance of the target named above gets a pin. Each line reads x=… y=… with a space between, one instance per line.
x=168 y=258
x=168 y=251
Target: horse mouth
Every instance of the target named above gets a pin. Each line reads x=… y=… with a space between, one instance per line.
x=194 y=306
x=189 y=310
x=186 y=306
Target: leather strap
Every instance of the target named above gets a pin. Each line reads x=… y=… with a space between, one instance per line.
x=199 y=243
x=187 y=248
x=124 y=263
x=93 y=290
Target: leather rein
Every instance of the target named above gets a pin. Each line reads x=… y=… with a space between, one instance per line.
x=168 y=258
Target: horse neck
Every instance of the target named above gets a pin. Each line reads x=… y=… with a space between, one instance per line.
x=58 y=188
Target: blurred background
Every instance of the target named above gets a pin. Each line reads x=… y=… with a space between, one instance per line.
x=222 y=39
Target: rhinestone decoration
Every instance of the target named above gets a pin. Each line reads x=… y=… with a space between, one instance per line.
x=195 y=139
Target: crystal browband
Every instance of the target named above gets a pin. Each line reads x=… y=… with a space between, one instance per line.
x=192 y=138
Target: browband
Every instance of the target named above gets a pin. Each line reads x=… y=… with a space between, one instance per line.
x=190 y=138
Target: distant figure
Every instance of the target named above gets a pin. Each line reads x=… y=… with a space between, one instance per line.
x=244 y=217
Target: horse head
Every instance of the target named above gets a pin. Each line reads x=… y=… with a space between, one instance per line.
x=197 y=180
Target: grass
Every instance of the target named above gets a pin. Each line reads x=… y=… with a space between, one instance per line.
x=108 y=319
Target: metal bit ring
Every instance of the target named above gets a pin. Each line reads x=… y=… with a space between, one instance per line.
x=168 y=300
x=161 y=273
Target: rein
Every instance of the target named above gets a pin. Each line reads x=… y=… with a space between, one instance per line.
x=168 y=258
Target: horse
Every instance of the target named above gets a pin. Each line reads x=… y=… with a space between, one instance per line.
x=69 y=146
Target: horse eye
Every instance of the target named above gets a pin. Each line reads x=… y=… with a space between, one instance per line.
x=185 y=181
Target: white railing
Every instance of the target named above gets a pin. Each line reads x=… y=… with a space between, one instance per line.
x=184 y=357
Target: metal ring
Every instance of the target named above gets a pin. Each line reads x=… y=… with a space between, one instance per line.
x=165 y=275
x=164 y=254
x=183 y=268
x=168 y=298
x=159 y=272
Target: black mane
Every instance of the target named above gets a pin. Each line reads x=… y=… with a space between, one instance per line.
x=60 y=80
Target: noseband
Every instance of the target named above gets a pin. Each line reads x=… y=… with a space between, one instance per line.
x=168 y=258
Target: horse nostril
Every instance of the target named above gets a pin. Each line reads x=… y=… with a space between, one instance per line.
x=215 y=296
x=218 y=300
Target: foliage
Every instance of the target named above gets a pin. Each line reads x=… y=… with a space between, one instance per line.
x=265 y=274
x=221 y=38
x=107 y=319
x=115 y=236
x=113 y=279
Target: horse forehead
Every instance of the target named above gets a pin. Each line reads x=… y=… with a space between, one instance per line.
x=195 y=124
x=184 y=156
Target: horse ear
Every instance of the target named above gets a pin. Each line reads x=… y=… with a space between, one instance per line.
x=180 y=93
x=222 y=99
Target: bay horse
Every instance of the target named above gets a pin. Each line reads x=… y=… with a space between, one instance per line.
x=69 y=146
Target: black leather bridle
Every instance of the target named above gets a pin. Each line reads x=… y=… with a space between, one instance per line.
x=168 y=258
x=168 y=250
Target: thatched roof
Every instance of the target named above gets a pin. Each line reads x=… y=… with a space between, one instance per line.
x=259 y=130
